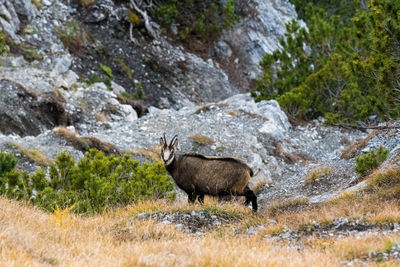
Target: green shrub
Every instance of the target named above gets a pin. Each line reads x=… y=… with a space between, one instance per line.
x=4 y=49
x=7 y=162
x=94 y=184
x=96 y=78
x=344 y=67
x=107 y=70
x=371 y=160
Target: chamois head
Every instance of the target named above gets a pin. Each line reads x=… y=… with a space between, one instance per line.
x=168 y=150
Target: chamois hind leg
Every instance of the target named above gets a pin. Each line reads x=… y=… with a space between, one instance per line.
x=250 y=197
x=201 y=198
x=191 y=197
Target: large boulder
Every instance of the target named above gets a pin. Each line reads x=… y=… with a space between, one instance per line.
x=24 y=112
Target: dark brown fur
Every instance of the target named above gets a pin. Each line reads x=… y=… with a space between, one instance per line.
x=199 y=175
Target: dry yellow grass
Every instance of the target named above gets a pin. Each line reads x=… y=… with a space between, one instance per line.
x=202 y=140
x=31 y=237
x=152 y=153
x=33 y=155
x=355 y=148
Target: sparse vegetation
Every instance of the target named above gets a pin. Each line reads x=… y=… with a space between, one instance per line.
x=96 y=78
x=85 y=143
x=85 y=3
x=4 y=49
x=73 y=37
x=202 y=140
x=107 y=70
x=152 y=153
x=286 y=205
x=33 y=155
x=355 y=148
x=385 y=185
x=275 y=230
x=371 y=160
x=317 y=173
x=125 y=68
x=37 y=3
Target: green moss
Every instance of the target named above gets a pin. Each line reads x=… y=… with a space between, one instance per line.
x=37 y=3
x=107 y=70
x=133 y=18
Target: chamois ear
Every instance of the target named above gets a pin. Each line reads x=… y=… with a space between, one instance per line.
x=162 y=142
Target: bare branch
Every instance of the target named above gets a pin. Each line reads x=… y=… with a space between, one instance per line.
x=146 y=18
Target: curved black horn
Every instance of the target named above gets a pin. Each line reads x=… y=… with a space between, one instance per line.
x=165 y=139
x=173 y=139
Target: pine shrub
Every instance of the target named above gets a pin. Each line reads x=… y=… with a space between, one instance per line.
x=344 y=67
x=371 y=160
x=94 y=184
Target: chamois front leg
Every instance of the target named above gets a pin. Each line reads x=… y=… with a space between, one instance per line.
x=250 y=196
x=201 y=198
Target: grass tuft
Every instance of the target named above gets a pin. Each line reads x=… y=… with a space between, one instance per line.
x=317 y=173
x=202 y=140
x=33 y=155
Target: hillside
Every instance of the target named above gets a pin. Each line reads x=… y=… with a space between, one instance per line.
x=87 y=90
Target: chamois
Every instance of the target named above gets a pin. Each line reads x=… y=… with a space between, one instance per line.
x=200 y=175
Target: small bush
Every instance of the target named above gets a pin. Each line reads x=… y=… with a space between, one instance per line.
x=371 y=160
x=4 y=49
x=96 y=78
x=317 y=173
x=7 y=162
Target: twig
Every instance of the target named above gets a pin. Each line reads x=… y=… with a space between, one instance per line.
x=349 y=126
